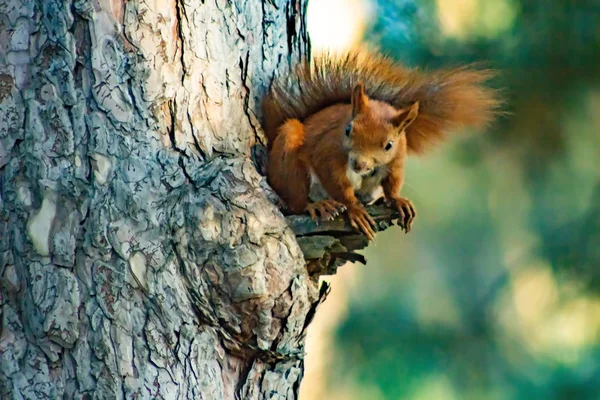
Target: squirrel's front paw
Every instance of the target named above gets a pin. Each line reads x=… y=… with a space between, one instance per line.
x=362 y=221
x=406 y=210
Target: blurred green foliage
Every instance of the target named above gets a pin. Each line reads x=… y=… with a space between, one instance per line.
x=496 y=292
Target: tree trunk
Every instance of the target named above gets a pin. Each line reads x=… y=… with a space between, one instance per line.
x=141 y=252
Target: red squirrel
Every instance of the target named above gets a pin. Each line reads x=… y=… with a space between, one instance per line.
x=340 y=128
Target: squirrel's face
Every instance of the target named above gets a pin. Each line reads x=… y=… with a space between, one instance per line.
x=371 y=144
x=376 y=132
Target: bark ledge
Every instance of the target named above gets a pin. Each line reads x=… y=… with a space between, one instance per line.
x=327 y=245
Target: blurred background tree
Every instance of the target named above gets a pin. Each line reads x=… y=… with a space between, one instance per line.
x=495 y=294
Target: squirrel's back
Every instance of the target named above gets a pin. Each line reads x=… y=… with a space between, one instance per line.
x=448 y=99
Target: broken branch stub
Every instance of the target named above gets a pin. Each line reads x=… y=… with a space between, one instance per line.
x=329 y=244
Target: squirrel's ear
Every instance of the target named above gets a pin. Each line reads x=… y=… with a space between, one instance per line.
x=405 y=117
x=359 y=99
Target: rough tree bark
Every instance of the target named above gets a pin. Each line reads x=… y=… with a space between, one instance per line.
x=142 y=254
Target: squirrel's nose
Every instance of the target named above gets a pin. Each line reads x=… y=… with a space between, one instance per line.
x=359 y=165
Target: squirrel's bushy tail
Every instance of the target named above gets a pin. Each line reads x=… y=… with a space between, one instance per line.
x=448 y=99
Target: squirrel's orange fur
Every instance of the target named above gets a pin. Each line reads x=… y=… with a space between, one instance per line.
x=347 y=124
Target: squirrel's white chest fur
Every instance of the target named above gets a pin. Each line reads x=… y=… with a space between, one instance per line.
x=367 y=188
x=355 y=179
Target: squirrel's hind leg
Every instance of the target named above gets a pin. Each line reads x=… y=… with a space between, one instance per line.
x=287 y=174
x=328 y=209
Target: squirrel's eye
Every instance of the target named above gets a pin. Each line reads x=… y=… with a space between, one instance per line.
x=388 y=146
x=348 y=129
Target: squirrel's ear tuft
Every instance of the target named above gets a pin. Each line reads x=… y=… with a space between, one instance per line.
x=405 y=117
x=360 y=101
